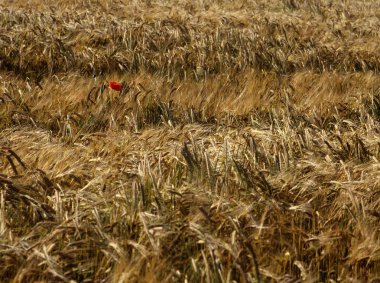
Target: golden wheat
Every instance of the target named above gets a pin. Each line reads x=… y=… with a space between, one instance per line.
x=244 y=146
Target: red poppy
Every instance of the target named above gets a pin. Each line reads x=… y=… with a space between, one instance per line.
x=115 y=86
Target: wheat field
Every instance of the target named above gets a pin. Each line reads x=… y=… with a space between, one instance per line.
x=244 y=144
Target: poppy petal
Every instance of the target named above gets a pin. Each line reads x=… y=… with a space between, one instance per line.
x=115 y=86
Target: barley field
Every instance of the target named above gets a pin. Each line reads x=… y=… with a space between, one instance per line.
x=243 y=145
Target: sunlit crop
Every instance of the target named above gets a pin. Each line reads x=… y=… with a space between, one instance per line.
x=189 y=141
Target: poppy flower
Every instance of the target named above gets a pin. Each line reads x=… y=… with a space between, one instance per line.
x=115 y=86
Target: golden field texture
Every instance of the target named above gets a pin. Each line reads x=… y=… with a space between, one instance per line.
x=243 y=147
